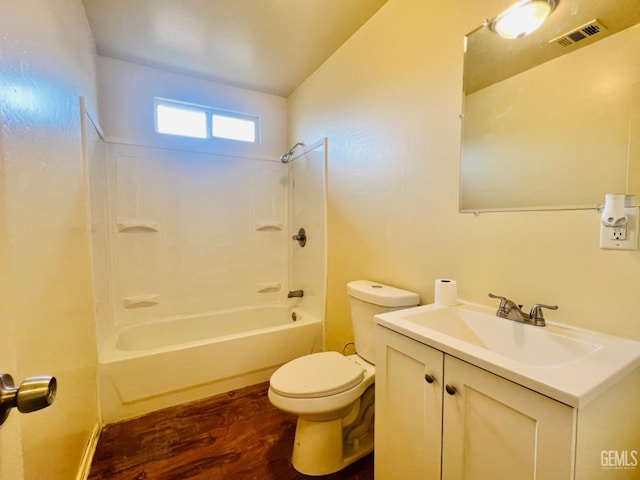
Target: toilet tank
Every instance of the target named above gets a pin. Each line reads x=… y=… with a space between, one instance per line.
x=367 y=299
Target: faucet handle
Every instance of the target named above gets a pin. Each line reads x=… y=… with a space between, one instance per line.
x=536 y=312
x=503 y=300
x=505 y=305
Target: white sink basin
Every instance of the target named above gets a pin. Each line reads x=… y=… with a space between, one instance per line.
x=569 y=364
x=536 y=346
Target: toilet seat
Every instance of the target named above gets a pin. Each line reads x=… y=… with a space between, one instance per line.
x=317 y=375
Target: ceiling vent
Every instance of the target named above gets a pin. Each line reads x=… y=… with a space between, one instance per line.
x=594 y=27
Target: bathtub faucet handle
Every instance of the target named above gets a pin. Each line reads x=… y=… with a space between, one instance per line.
x=296 y=293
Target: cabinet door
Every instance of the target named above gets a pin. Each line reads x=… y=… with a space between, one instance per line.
x=408 y=421
x=494 y=428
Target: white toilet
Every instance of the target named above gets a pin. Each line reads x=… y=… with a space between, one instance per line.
x=333 y=395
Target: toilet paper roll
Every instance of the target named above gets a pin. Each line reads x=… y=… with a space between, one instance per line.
x=446 y=292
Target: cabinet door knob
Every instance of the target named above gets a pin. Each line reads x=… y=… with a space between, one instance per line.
x=429 y=378
x=451 y=389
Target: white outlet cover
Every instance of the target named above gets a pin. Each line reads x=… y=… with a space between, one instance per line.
x=631 y=240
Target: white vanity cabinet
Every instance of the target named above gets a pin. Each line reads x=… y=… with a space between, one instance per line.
x=463 y=394
x=408 y=421
x=488 y=428
x=494 y=428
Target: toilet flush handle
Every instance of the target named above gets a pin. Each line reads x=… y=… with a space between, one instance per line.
x=34 y=393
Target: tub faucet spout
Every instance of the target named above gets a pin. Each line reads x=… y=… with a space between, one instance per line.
x=295 y=293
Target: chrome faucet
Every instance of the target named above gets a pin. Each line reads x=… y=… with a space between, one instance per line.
x=295 y=293
x=510 y=310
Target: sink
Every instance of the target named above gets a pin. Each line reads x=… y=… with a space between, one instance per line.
x=537 y=346
x=569 y=364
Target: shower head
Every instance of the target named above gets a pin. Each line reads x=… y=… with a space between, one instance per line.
x=287 y=156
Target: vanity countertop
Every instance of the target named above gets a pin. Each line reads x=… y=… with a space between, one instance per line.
x=569 y=364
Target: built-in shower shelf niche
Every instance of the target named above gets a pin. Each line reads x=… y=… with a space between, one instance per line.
x=140 y=301
x=268 y=287
x=268 y=225
x=138 y=226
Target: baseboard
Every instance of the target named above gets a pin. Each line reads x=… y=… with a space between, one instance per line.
x=87 y=457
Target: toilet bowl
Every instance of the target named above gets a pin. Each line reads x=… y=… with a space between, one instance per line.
x=327 y=400
x=333 y=395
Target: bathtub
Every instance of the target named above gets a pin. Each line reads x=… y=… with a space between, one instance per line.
x=170 y=361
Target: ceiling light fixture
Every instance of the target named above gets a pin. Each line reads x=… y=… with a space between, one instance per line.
x=523 y=18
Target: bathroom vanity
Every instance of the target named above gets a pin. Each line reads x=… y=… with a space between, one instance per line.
x=461 y=393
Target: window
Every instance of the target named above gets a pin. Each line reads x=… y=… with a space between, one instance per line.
x=181 y=121
x=233 y=128
x=176 y=118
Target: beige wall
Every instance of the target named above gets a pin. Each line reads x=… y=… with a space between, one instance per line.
x=46 y=300
x=389 y=101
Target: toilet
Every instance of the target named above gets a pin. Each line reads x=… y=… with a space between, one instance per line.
x=333 y=395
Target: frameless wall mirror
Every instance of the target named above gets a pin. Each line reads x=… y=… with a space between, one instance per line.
x=551 y=120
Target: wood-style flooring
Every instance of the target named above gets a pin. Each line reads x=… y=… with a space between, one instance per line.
x=236 y=435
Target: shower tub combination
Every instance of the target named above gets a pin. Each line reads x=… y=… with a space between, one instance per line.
x=175 y=360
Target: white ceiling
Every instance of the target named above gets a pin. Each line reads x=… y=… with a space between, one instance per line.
x=270 y=46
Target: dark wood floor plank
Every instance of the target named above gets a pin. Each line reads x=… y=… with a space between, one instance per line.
x=236 y=435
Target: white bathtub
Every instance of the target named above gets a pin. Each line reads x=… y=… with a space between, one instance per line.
x=170 y=361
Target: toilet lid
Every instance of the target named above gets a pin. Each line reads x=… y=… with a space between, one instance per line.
x=316 y=375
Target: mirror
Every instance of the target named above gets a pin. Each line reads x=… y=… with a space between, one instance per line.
x=552 y=120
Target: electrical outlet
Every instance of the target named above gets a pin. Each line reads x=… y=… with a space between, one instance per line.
x=618 y=233
x=621 y=238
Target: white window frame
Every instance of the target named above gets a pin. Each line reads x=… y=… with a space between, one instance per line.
x=210 y=113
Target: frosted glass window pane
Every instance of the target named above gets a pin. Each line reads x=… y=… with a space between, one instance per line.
x=181 y=121
x=233 y=128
